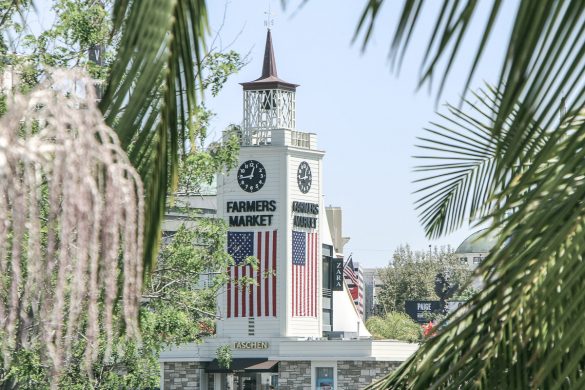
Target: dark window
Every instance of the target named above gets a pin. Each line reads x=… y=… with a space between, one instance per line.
x=326 y=273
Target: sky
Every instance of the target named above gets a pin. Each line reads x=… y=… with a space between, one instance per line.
x=366 y=117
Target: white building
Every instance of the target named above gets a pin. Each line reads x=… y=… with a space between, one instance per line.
x=475 y=248
x=273 y=204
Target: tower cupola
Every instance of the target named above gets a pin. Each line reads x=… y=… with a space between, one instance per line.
x=269 y=102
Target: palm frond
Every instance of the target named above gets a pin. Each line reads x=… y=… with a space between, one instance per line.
x=524 y=329
x=544 y=60
x=151 y=94
x=459 y=176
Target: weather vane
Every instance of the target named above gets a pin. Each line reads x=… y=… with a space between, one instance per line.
x=269 y=22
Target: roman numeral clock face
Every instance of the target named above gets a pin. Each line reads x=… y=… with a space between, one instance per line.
x=304 y=177
x=251 y=176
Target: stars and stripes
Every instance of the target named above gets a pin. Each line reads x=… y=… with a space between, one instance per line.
x=349 y=272
x=252 y=300
x=304 y=274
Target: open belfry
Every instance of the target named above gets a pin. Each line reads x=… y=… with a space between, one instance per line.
x=292 y=328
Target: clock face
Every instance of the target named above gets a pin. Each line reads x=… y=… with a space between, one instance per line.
x=251 y=176
x=304 y=177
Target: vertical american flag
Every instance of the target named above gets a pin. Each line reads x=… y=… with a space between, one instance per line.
x=252 y=300
x=304 y=274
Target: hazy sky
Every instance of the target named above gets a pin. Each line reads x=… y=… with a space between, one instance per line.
x=366 y=117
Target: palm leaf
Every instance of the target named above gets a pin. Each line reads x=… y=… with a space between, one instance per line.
x=151 y=94
x=524 y=329
x=460 y=177
x=544 y=60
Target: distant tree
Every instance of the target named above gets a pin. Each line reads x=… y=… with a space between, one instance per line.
x=394 y=326
x=154 y=64
x=411 y=276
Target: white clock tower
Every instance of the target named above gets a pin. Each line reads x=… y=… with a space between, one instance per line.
x=272 y=204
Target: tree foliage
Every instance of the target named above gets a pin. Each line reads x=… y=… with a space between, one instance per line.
x=151 y=93
x=71 y=221
x=411 y=276
x=394 y=326
x=176 y=308
x=151 y=96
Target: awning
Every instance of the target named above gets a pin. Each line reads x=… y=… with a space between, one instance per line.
x=244 y=365
x=267 y=366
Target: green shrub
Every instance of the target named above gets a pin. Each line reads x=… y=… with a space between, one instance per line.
x=394 y=325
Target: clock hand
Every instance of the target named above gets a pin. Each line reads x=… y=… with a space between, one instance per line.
x=250 y=175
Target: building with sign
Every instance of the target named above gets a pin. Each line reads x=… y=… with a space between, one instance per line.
x=295 y=327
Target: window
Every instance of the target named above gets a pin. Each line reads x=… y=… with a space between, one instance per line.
x=268 y=100
x=327 y=279
x=326 y=273
x=477 y=260
x=327 y=251
x=463 y=260
x=324 y=378
x=210 y=381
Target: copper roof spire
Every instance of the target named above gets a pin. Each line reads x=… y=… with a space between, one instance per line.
x=269 y=66
x=269 y=78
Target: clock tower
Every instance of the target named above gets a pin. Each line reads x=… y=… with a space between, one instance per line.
x=272 y=204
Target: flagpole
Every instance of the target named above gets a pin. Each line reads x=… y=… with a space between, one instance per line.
x=348 y=259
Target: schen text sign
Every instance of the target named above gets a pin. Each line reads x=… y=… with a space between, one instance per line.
x=251 y=345
x=337 y=269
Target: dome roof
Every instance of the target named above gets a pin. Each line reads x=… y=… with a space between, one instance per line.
x=478 y=242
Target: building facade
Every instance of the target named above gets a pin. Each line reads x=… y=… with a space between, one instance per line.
x=286 y=324
x=372 y=286
x=475 y=248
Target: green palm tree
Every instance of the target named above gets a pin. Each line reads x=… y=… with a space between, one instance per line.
x=151 y=94
x=150 y=100
x=512 y=159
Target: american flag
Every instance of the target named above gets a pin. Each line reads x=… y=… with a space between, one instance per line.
x=252 y=300
x=304 y=274
x=349 y=272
